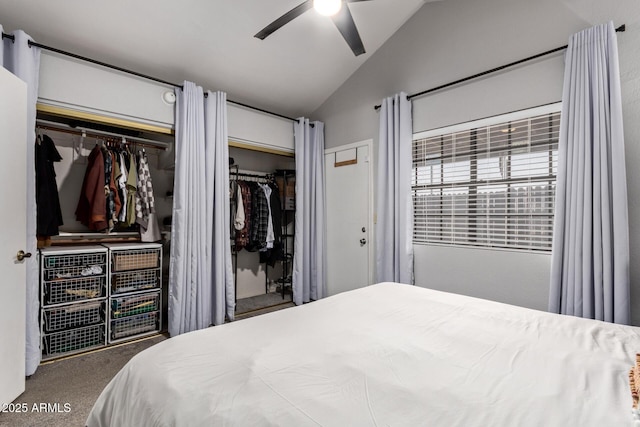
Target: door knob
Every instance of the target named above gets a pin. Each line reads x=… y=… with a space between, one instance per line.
x=21 y=255
x=363 y=242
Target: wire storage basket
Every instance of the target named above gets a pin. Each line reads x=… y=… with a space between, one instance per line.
x=136 y=259
x=70 y=272
x=134 y=325
x=74 y=274
x=69 y=290
x=73 y=299
x=72 y=316
x=75 y=260
x=73 y=340
x=134 y=304
x=136 y=280
x=135 y=290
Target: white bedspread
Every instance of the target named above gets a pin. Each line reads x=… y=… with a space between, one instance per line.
x=385 y=355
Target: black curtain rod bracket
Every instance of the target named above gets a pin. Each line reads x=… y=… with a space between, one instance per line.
x=620 y=29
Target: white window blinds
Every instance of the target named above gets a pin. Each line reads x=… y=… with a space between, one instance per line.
x=489 y=186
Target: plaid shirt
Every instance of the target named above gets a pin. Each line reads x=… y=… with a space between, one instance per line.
x=259 y=218
x=145 y=202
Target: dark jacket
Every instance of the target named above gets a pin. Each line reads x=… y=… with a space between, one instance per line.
x=49 y=215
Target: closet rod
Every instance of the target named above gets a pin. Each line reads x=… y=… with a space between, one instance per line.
x=57 y=127
x=135 y=73
x=620 y=29
x=252 y=175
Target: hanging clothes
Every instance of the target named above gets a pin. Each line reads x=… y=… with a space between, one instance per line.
x=270 y=237
x=92 y=206
x=276 y=213
x=132 y=189
x=122 y=186
x=145 y=202
x=110 y=203
x=271 y=256
x=238 y=221
x=49 y=214
x=113 y=189
x=259 y=218
x=242 y=235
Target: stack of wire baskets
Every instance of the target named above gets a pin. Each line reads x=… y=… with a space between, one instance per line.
x=73 y=296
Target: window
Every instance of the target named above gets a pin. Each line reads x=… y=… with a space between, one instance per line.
x=488 y=185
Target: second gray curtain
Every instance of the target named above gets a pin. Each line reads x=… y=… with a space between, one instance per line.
x=309 y=257
x=394 y=206
x=590 y=258
x=201 y=288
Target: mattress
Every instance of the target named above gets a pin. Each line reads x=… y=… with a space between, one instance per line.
x=384 y=355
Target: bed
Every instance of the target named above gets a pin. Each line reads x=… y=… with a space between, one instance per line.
x=384 y=355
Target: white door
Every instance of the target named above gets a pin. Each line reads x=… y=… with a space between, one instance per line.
x=13 y=134
x=349 y=217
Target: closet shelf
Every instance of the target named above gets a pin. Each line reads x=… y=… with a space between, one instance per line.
x=91 y=237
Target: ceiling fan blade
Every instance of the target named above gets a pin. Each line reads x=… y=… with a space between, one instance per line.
x=284 y=19
x=346 y=25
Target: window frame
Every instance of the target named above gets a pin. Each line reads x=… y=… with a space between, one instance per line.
x=472 y=127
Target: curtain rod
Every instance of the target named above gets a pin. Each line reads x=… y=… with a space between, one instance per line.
x=620 y=29
x=135 y=73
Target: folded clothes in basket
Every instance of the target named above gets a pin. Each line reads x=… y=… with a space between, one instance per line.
x=83 y=307
x=137 y=309
x=92 y=270
x=132 y=331
x=82 y=293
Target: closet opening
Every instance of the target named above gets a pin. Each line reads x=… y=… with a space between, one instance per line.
x=102 y=281
x=262 y=271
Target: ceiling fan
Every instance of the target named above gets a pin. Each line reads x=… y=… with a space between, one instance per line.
x=339 y=12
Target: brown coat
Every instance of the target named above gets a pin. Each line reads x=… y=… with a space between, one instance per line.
x=92 y=206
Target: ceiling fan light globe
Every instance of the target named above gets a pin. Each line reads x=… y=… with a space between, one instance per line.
x=327 y=7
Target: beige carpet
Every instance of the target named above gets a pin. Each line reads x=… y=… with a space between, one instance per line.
x=260 y=302
x=66 y=389
x=75 y=382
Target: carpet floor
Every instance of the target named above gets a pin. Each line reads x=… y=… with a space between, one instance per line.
x=64 y=391
x=260 y=302
x=75 y=381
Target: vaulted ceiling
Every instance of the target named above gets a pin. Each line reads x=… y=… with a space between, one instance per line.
x=212 y=43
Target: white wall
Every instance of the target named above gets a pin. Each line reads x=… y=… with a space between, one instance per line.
x=258 y=129
x=506 y=276
x=453 y=39
x=82 y=86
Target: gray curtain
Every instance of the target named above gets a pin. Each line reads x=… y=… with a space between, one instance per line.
x=309 y=258
x=200 y=264
x=24 y=61
x=217 y=166
x=394 y=205
x=590 y=258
